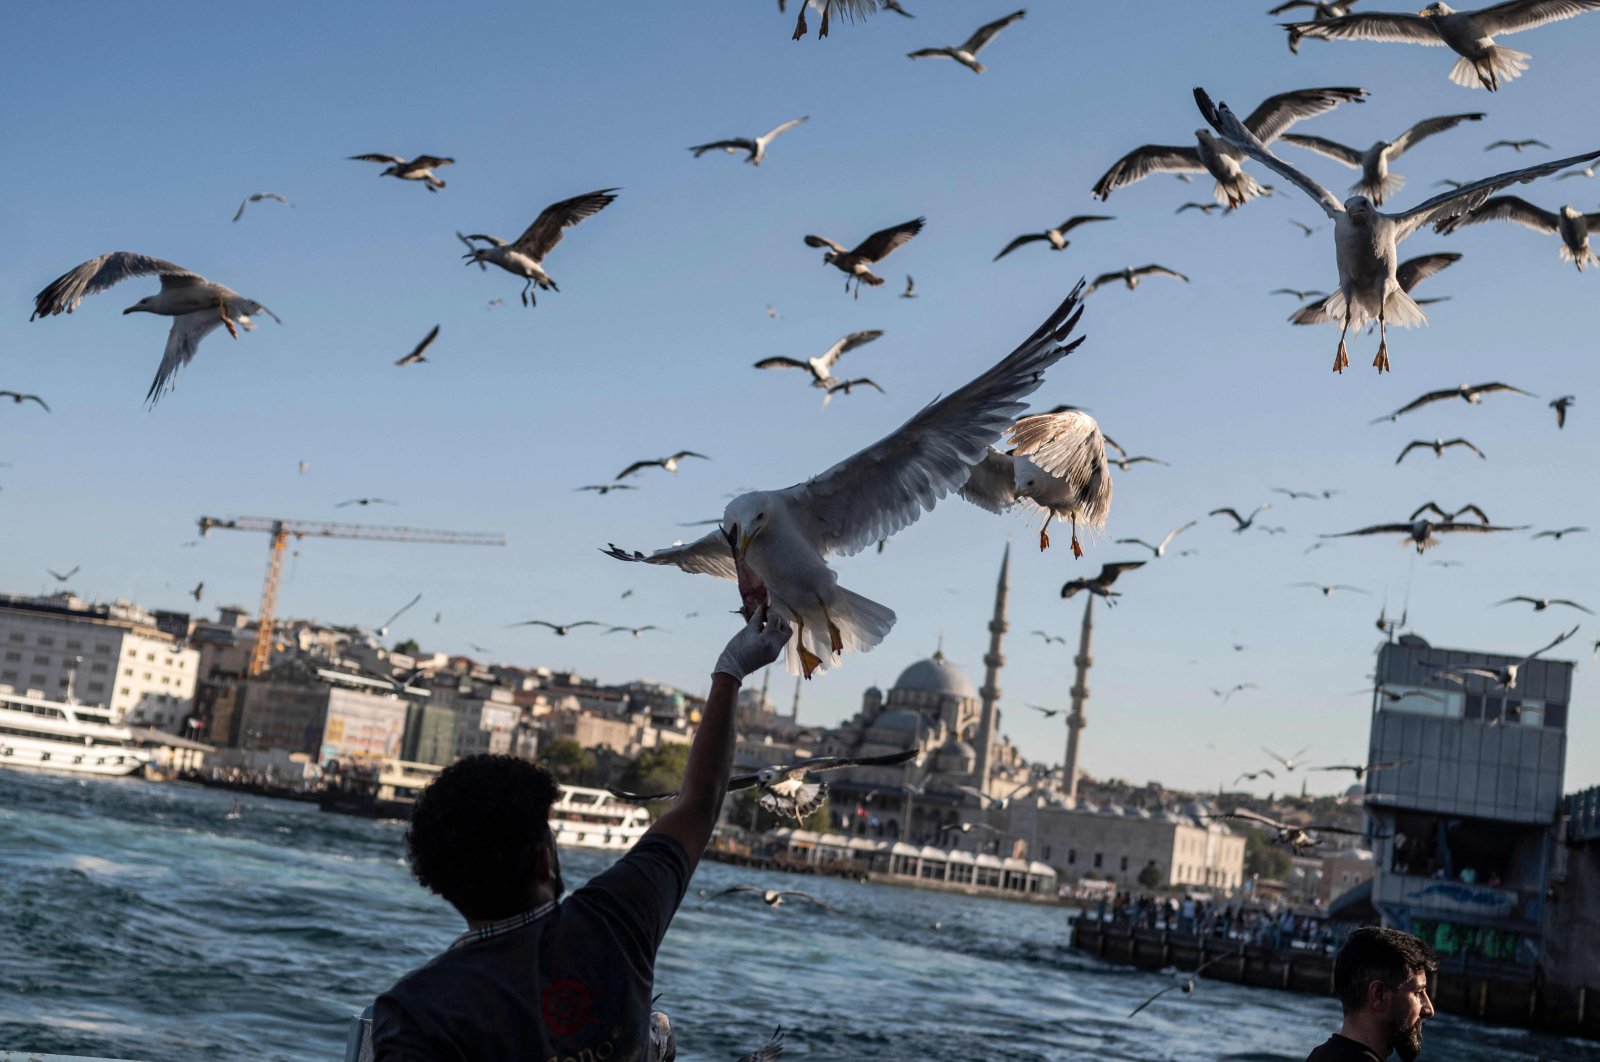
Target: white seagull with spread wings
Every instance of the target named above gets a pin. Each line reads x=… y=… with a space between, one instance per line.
x=1366 y=240
x=196 y=305
x=966 y=53
x=1570 y=223
x=524 y=256
x=783 y=537
x=1056 y=464
x=755 y=148
x=1377 y=183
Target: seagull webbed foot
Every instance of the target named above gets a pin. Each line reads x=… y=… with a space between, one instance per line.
x=1341 y=359
x=1077 y=550
x=1382 y=360
x=809 y=661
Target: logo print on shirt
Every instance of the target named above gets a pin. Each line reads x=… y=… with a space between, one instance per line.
x=566 y=1006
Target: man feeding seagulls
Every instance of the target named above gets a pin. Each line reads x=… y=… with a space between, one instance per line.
x=196 y=305
x=782 y=538
x=1366 y=240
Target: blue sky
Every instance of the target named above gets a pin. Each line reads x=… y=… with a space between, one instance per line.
x=140 y=129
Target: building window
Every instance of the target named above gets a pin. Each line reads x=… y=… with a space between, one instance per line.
x=1124 y=862
x=128 y=671
x=147 y=676
x=1097 y=860
x=1072 y=857
x=150 y=657
x=18 y=636
x=13 y=656
x=44 y=639
x=101 y=647
x=125 y=691
x=99 y=667
x=97 y=687
x=73 y=643
x=8 y=676
x=1046 y=853
x=41 y=658
x=36 y=679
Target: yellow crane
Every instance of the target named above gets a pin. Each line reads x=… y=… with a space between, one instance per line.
x=281 y=530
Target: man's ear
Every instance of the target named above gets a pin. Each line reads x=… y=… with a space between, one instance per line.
x=1377 y=993
x=542 y=868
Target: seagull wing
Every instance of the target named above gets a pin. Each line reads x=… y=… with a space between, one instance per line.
x=1412 y=445
x=1451 y=525
x=708 y=555
x=1571 y=604
x=784 y=128
x=782 y=363
x=1277 y=113
x=877 y=246
x=1422 y=400
x=1519 y=597
x=485 y=237
x=1069 y=446
x=737 y=143
x=1414 y=271
x=985 y=33
x=242 y=204
x=1228 y=512
x=1222 y=120
x=1141 y=162
x=1109 y=572
x=631 y=469
x=834 y=763
x=886 y=487
x=416 y=352
x=1152 y=999
x=1468 y=445
x=1518 y=15
x=546 y=230
x=681 y=454
x=643 y=798
x=182 y=341
x=1472 y=195
x=1376 y=529
x=1081 y=219
x=1153 y=270
x=769 y=1051
x=845 y=346
x=1027 y=238
x=63 y=294
x=1391 y=27
x=992 y=483
x=1426 y=128
x=1175 y=532
x=428 y=162
x=1315 y=313
x=1506 y=208
x=373 y=156
x=1545 y=649
x=823 y=241
x=1490 y=388
x=403 y=609
x=1349 y=156
x=826 y=906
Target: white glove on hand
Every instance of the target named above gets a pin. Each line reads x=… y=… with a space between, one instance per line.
x=760 y=643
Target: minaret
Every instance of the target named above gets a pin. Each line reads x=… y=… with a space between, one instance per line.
x=794 y=708
x=1080 y=695
x=989 y=719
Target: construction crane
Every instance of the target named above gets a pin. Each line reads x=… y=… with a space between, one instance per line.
x=281 y=530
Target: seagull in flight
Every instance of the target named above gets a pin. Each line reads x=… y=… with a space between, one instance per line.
x=1056 y=237
x=1125 y=462
x=1376 y=182
x=1503 y=676
x=1225 y=695
x=1472 y=394
x=1301 y=839
x=1559 y=534
x=1100 y=585
x=1420 y=533
x=1056 y=463
x=1360 y=770
x=782 y=538
x=1517 y=145
x=1439 y=511
x=418 y=169
x=1048 y=713
x=755 y=149
x=1250 y=776
x=603 y=489
x=846 y=386
x=1298 y=294
x=62 y=577
x=1160 y=550
x=1220 y=158
x=258 y=197
x=1569 y=223
x=524 y=257
x=635 y=631
x=1051 y=639
x=1366 y=240
x=857 y=264
x=1305 y=230
x=383 y=628
x=820 y=368
x=1560 y=405
x=852 y=9
x=1131 y=276
x=365 y=502
x=1243 y=523
x=562 y=629
x=17 y=398
x=1313 y=495
x=786 y=788
x=966 y=53
x=1186 y=986
x=1204 y=208
x=416 y=351
x=1541 y=603
x=196 y=305
x=773 y=898
x=1438 y=446
x=670 y=463
x=1328 y=590
x=1470 y=34
x=911 y=288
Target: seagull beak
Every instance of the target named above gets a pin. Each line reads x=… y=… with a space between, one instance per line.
x=130 y=309
x=744 y=543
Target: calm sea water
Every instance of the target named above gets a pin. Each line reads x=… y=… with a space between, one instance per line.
x=138 y=922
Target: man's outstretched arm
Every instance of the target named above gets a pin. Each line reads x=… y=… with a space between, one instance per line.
x=692 y=817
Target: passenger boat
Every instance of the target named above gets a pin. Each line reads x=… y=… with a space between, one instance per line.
x=61 y=736
x=593 y=818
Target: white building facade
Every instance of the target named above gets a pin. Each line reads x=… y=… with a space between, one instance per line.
x=111 y=656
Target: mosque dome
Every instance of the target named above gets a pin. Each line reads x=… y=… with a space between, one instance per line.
x=898 y=719
x=936 y=675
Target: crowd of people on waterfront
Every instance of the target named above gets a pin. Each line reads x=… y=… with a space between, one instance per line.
x=1274 y=925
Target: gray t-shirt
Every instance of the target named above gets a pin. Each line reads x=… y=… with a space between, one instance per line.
x=573 y=982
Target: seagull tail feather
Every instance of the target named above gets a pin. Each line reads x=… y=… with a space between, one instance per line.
x=1384 y=189
x=1501 y=64
x=1401 y=309
x=861 y=622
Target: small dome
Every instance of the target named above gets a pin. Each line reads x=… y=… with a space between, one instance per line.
x=936 y=675
x=957 y=757
x=898 y=719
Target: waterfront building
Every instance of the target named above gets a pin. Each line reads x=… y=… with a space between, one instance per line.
x=116 y=656
x=1115 y=842
x=322 y=713
x=1465 y=822
x=430 y=734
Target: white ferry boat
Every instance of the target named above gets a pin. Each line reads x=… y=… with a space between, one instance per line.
x=59 y=736
x=593 y=818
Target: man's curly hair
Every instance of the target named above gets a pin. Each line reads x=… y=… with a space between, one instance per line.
x=476 y=832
